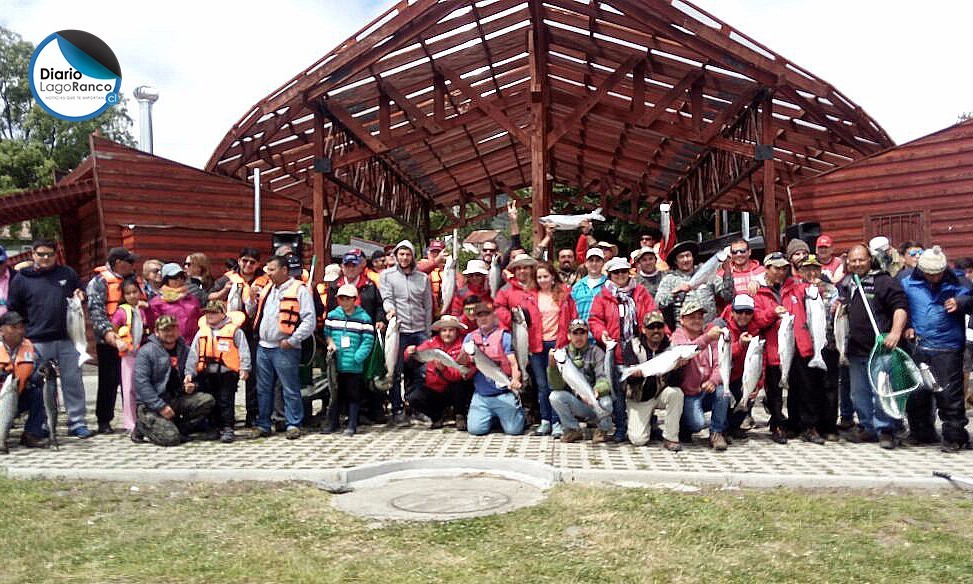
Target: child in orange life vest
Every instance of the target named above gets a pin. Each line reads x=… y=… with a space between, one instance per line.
x=128 y=322
x=219 y=358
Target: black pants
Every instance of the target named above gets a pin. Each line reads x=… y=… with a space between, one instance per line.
x=434 y=403
x=109 y=376
x=775 y=397
x=828 y=398
x=222 y=386
x=251 y=395
x=735 y=418
x=804 y=390
x=947 y=368
x=351 y=389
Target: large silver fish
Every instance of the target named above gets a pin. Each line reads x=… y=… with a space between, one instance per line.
x=496 y=277
x=391 y=352
x=785 y=346
x=448 y=289
x=842 y=330
x=332 y=372
x=8 y=410
x=705 y=273
x=520 y=336
x=427 y=355
x=753 y=369
x=662 y=363
x=610 y=360
x=486 y=366
x=76 y=329
x=884 y=390
x=817 y=322
x=235 y=299
x=928 y=379
x=50 y=400
x=664 y=223
x=571 y=222
x=575 y=379
x=724 y=350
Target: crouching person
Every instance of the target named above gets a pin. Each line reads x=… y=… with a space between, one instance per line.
x=644 y=395
x=490 y=402
x=168 y=406
x=701 y=378
x=351 y=336
x=19 y=358
x=590 y=362
x=443 y=385
x=218 y=359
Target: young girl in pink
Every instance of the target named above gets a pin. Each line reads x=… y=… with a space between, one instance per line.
x=128 y=320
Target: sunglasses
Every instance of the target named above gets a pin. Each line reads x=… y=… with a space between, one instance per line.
x=743 y=311
x=915 y=252
x=739 y=251
x=618 y=272
x=44 y=254
x=247 y=261
x=655 y=326
x=580 y=331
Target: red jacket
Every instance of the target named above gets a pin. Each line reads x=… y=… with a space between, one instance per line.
x=514 y=294
x=604 y=316
x=438 y=376
x=792 y=293
x=737 y=350
x=742 y=278
x=456 y=306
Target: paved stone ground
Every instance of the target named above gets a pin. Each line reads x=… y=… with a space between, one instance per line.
x=756 y=461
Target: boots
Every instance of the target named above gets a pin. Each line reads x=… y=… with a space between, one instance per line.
x=331 y=422
x=353 y=409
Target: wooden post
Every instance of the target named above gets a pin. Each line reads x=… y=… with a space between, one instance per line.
x=540 y=161
x=319 y=208
x=771 y=216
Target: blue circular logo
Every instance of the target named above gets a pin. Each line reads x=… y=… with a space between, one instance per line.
x=74 y=75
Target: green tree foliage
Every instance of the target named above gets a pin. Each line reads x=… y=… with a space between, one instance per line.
x=32 y=142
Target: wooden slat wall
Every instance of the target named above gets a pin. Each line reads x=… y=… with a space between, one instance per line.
x=932 y=176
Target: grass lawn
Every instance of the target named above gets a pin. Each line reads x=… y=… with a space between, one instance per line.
x=249 y=532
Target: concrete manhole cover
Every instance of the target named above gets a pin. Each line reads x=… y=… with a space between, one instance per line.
x=440 y=498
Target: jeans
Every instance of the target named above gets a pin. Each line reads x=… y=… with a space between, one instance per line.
x=619 y=411
x=538 y=371
x=947 y=367
x=569 y=409
x=505 y=408
x=693 y=407
x=273 y=364
x=109 y=375
x=70 y=373
x=409 y=371
x=871 y=416
x=32 y=402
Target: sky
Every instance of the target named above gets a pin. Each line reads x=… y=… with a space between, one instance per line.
x=212 y=60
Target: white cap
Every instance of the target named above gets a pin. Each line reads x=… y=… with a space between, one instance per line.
x=332 y=272
x=742 y=302
x=594 y=252
x=637 y=254
x=877 y=244
x=617 y=263
x=348 y=290
x=476 y=267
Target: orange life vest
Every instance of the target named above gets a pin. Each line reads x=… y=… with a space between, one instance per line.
x=322 y=289
x=125 y=332
x=218 y=346
x=492 y=347
x=288 y=310
x=237 y=279
x=114 y=284
x=22 y=364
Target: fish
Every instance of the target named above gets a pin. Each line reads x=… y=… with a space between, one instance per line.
x=785 y=346
x=705 y=273
x=495 y=277
x=928 y=379
x=76 y=329
x=610 y=360
x=521 y=339
x=883 y=387
x=578 y=383
x=724 y=350
x=50 y=400
x=486 y=366
x=753 y=369
x=842 y=330
x=571 y=222
x=427 y=355
x=332 y=367
x=665 y=223
x=817 y=322
x=662 y=363
x=448 y=289
x=8 y=410
x=391 y=351
x=235 y=299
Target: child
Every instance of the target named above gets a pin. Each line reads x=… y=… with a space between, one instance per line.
x=351 y=335
x=128 y=321
x=219 y=358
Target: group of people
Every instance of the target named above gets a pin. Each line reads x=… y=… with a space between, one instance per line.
x=517 y=342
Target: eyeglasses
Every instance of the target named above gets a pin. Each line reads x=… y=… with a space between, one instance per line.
x=739 y=251
x=656 y=326
x=579 y=332
x=468 y=310
x=44 y=254
x=915 y=252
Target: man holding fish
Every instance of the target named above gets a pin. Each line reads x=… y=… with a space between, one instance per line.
x=20 y=383
x=820 y=308
x=41 y=295
x=743 y=330
x=684 y=277
x=743 y=271
x=448 y=375
x=497 y=382
x=580 y=388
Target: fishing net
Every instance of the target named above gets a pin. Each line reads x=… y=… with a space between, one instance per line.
x=902 y=377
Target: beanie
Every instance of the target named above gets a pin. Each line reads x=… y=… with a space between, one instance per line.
x=932 y=261
x=796 y=245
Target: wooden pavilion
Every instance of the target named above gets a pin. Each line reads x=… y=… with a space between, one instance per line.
x=447 y=105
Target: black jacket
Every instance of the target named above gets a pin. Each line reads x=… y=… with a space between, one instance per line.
x=41 y=298
x=643 y=389
x=371 y=299
x=885 y=296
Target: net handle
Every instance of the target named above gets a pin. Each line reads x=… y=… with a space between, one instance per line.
x=868 y=308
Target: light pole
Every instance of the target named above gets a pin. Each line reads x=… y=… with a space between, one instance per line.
x=146 y=96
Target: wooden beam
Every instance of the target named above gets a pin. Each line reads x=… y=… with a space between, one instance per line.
x=344 y=117
x=667 y=100
x=568 y=122
x=771 y=216
x=411 y=110
x=384 y=117
x=319 y=216
x=485 y=105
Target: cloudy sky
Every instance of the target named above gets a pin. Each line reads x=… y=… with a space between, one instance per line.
x=907 y=67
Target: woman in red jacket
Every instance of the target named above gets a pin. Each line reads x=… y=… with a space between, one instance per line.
x=443 y=385
x=615 y=316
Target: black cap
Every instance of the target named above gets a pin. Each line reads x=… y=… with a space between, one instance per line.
x=120 y=254
x=11 y=317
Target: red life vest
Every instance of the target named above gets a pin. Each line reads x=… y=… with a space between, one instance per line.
x=22 y=364
x=492 y=347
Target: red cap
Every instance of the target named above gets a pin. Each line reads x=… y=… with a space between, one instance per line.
x=824 y=241
x=436 y=244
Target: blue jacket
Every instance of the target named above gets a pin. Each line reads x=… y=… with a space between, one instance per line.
x=41 y=297
x=935 y=328
x=584 y=296
x=359 y=331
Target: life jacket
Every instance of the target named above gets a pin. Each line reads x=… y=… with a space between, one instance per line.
x=322 y=290
x=218 y=346
x=492 y=347
x=126 y=332
x=289 y=309
x=263 y=282
x=22 y=364
x=114 y=284
x=237 y=279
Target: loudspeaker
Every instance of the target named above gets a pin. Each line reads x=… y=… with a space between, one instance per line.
x=295 y=241
x=806 y=231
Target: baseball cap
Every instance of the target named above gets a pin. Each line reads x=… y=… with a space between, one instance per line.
x=166 y=321
x=348 y=290
x=11 y=317
x=742 y=302
x=171 y=269
x=332 y=272
x=689 y=307
x=811 y=260
x=879 y=244
x=776 y=259
x=653 y=317
x=637 y=254
x=616 y=264
x=578 y=323
x=351 y=258
x=436 y=245
x=824 y=241
x=594 y=253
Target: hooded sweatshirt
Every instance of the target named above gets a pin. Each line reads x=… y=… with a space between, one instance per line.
x=409 y=295
x=40 y=296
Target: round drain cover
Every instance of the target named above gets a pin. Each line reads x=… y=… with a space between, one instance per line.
x=460 y=501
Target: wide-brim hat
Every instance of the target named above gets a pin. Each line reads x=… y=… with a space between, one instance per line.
x=681 y=247
x=522 y=260
x=448 y=321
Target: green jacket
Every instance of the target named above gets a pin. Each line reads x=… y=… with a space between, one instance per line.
x=591 y=362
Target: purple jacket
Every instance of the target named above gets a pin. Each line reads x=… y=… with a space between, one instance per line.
x=186 y=310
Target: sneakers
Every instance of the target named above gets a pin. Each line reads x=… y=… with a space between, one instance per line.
x=105 y=428
x=399 y=420
x=461 y=423
x=30 y=441
x=811 y=435
x=571 y=435
x=348 y=432
x=259 y=432
x=671 y=445
x=718 y=442
x=544 y=429
x=748 y=423
x=887 y=441
x=556 y=430
x=778 y=435
x=293 y=433
x=81 y=432
x=227 y=436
